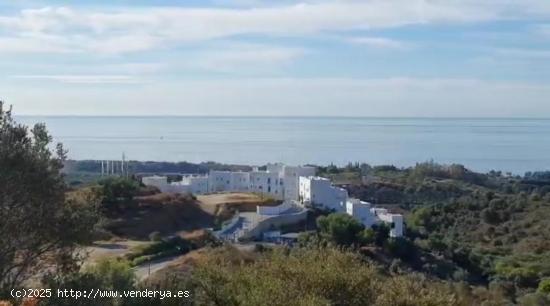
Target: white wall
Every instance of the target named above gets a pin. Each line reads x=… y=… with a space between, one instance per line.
x=219 y=181
x=361 y=211
x=368 y=216
x=161 y=182
x=291 y=178
x=197 y=184
x=273 y=210
x=267 y=183
x=319 y=192
x=240 y=181
x=395 y=221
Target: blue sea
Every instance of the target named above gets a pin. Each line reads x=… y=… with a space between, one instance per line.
x=514 y=145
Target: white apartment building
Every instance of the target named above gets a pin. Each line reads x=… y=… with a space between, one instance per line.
x=278 y=181
x=284 y=183
x=319 y=192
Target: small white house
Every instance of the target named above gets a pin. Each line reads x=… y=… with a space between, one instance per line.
x=361 y=211
x=368 y=216
x=319 y=192
x=395 y=221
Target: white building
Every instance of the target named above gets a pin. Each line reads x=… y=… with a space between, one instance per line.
x=197 y=184
x=284 y=183
x=291 y=178
x=268 y=183
x=319 y=192
x=361 y=211
x=161 y=182
x=278 y=181
x=368 y=216
x=395 y=221
x=219 y=181
x=189 y=183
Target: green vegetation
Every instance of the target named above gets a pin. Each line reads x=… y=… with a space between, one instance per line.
x=159 y=249
x=310 y=277
x=105 y=275
x=40 y=226
x=341 y=229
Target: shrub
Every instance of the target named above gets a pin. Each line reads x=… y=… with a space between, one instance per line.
x=155 y=236
x=340 y=228
x=544 y=286
x=309 y=277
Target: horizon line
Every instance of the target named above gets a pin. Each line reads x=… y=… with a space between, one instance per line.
x=281 y=116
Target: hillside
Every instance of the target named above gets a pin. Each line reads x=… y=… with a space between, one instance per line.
x=491 y=229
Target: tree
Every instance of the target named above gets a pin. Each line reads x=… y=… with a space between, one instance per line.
x=544 y=286
x=341 y=228
x=39 y=225
x=117 y=192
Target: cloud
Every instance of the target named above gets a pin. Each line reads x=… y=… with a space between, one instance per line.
x=247 y=57
x=523 y=53
x=386 y=97
x=379 y=42
x=124 y=29
x=543 y=29
x=84 y=79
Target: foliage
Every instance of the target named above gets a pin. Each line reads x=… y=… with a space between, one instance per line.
x=39 y=225
x=544 y=286
x=159 y=249
x=310 y=277
x=524 y=269
x=117 y=191
x=109 y=274
x=341 y=229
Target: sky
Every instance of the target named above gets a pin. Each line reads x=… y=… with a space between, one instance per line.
x=376 y=58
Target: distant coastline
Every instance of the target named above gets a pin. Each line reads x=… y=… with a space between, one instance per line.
x=510 y=145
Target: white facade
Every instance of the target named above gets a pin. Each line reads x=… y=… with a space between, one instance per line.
x=319 y=192
x=274 y=210
x=368 y=216
x=219 y=181
x=395 y=222
x=240 y=181
x=268 y=183
x=291 y=178
x=197 y=184
x=361 y=211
